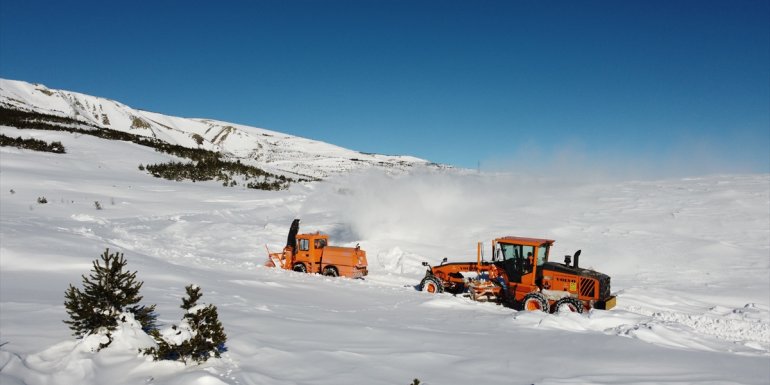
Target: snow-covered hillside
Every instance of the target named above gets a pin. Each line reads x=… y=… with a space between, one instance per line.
x=272 y=151
x=689 y=260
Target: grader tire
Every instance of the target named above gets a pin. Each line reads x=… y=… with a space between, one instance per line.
x=568 y=304
x=299 y=267
x=535 y=302
x=431 y=285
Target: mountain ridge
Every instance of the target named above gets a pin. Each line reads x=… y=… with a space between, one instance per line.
x=273 y=151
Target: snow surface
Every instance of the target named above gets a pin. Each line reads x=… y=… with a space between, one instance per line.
x=689 y=261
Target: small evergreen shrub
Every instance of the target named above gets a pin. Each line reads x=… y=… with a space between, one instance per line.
x=32 y=144
x=206 y=169
x=42 y=200
x=198 y=337
x=97 y=205
x=107 y=293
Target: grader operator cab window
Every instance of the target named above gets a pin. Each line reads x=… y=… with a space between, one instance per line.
x=304 y=244
x=516 y=259
x=320 y=243
x=521 y=257
x=542 y=254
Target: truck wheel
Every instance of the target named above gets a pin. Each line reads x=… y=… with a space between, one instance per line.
x=568 y=304
x=535 y=302
x=299 y=267
x=331 y=271
x=431 y=285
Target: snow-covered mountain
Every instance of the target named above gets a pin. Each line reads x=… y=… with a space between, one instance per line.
x=272 y=151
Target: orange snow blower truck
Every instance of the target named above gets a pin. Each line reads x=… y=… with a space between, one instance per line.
x=311 y=253
x=521 y=276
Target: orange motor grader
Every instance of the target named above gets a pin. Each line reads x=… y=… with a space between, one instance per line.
x=311 y=253
x=521 y=276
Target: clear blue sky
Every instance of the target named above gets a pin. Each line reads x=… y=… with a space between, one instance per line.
x=679 y=85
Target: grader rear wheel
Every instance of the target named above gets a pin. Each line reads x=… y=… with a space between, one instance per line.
x=535 y=302
x=568 y=304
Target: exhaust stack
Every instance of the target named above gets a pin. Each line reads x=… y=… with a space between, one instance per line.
x=577 y=258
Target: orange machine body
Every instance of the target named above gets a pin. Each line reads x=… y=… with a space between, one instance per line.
x=311 y=253
x=521 y=275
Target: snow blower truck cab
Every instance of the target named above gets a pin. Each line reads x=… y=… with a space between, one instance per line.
x=311 y=253
x=521 y=276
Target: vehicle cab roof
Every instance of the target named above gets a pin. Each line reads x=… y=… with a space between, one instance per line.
x=525 y=241
x=317 y=234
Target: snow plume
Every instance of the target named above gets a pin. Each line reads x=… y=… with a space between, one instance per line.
x=450 y=211
x=430 y=215
x=419 y=207
x=430 y=206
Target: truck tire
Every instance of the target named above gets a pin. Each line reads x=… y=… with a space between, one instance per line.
x=534 y=302
x=299 y=267
x=331 y=271
x=568 y=304
x=431 y=285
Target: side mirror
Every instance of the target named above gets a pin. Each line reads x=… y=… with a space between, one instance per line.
x=443 y=261
x=567 y=260
x=425 y=264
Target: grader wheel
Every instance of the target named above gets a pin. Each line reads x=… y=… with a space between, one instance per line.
x=568 y=304
x=535 y=302
x=431 y=285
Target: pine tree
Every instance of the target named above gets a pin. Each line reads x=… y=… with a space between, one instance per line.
x=209 y=337
x=107 y=292
x=201 y=333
